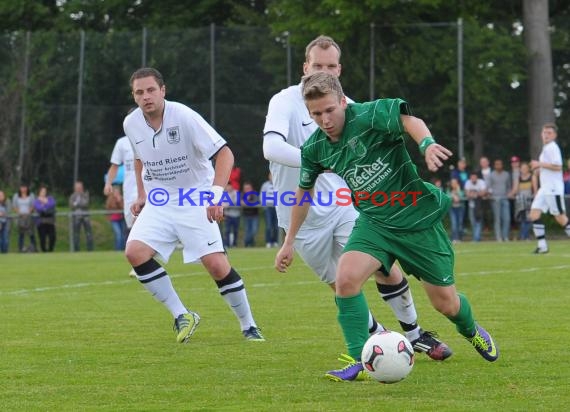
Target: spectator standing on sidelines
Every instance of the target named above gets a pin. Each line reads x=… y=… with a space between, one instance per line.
x=45 y=207
x=499 y=189
x=352 y=140
x=250 y=212
x=232 y=215
x=524 y=190
x=114 y=203
x=177 y=147
x=23 y=204
x=79 y=205
x=5 y=208
x=270 y=214
x=457 y=210
x=550 y=195
x=476 y=192
x=325 y=231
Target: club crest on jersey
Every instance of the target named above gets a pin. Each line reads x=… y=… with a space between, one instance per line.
x=357 y=147
x=173 y=135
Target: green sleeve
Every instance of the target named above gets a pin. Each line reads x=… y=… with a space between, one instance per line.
x=386 y=116
x=310 y=168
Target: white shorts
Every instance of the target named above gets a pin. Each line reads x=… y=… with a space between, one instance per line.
x=553 y=204
x=321 y=248
x=162 y=227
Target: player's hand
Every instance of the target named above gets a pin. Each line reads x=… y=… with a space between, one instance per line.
x=284 y=258
x=435 y=155
x=215 y=213
x=534 y=164
x=137 y=207
x=108 y=189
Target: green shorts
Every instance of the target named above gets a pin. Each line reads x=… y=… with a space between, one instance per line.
x=427 y=254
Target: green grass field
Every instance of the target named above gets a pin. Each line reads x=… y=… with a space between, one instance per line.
x=79 y=334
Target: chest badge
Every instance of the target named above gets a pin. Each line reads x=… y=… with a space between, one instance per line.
x=173 y=135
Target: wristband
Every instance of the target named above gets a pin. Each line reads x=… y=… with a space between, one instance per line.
x=426 y=141
x=217 y=192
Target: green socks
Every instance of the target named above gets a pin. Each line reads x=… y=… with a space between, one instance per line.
x=464 y=321
x=353 y=318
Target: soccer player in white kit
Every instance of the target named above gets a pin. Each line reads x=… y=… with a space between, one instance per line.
x=550 y=195
x=177 y=146
x=325 y=231
x=123 y=155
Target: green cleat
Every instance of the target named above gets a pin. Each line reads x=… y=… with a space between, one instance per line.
x=484 y=344
x=253 y=334
x=353 y=371
x=185 y=325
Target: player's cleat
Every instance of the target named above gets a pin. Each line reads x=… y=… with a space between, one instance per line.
x=429 y=344
x=540 y=251
x=132 y=273
x=185 y=325
x=353 y=371
x=483 y=343
x=253 y=334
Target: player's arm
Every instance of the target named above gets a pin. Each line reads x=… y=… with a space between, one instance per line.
x=299 y=212
x=434 y=153
x=137 y=206
x=277 y=150
x=111 y=175
x=224 y=162
x=535 y=164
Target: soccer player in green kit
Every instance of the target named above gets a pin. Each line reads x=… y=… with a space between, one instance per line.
x=400 y=214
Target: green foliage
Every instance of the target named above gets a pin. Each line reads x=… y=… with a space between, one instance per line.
x=95 y=340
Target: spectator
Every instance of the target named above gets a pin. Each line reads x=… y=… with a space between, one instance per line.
x=457 y=210
x=45 y=207
x=23 y=204
x=270 y=214
x=499 y=188
x=232 y=214
x=114 y=204
x=515 y=173
x=4 y=223
x=485 y=169
x=524 y=190
x=566 y=178
x=476 y=192
x=250 y=213
x=79 y=205
x=460 y=172
x=235 y=177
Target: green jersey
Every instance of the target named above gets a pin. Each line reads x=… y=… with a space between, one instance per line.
x=371 y=157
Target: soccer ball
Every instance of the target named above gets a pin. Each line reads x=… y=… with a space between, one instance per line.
x=388 y=356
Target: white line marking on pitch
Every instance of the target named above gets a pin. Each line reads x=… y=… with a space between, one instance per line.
x=21 y=292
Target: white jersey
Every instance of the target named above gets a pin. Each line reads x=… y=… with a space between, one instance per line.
x=288 y=116
x=177 y=157
x=551 y=182
x=123 y=155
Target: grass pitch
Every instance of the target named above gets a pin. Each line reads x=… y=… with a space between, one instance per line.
x=79 y=334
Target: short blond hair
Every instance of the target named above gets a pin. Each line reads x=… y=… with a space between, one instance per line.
x=323 y=42
x=550 y=126
x=320 y=84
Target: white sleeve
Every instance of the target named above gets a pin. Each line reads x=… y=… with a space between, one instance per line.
x=275 y=149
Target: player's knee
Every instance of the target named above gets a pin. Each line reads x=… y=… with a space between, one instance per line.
x=137 y=253
x=447 y=306
x=217 y=265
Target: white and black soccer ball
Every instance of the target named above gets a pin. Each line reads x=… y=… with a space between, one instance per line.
x=388 y=356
